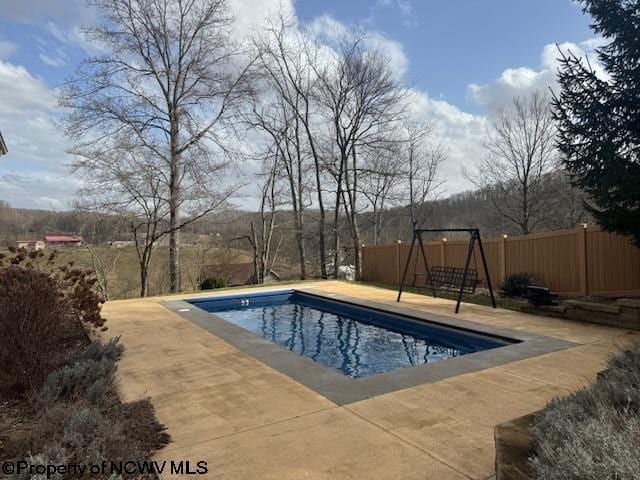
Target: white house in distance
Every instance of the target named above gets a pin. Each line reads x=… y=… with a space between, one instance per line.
x=31 y=244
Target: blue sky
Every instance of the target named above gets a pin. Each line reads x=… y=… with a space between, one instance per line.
x=451 y=44
x=465 y=58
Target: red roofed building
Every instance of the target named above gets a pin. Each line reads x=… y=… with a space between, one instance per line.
x=64 y=240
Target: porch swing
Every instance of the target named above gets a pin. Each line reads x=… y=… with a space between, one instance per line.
x=451 y=279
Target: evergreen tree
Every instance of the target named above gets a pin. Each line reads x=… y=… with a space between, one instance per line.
x=599 y=117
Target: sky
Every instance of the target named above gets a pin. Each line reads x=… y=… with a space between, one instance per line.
x=464 y=58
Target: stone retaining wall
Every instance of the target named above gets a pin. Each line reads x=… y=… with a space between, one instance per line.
x=514 y=445
x=623 y=313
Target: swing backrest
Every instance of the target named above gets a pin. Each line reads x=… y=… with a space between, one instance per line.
x=450 y=279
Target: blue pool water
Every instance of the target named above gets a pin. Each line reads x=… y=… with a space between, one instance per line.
x=353 y=340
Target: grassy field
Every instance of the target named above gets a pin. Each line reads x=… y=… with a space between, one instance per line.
x=123 y=272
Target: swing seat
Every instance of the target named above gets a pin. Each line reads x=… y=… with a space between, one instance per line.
x=450 y=279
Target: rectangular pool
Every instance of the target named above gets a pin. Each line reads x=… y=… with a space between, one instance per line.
x=356 y=341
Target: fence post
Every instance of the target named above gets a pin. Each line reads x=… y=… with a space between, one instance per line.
x=443 y=254
x=582 y=259
x=502 y=252
x=398 y=243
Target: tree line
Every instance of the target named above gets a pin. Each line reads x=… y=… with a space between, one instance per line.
x=157 y=121
x=177 y=116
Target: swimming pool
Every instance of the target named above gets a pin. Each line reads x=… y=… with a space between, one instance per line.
x=354 y=340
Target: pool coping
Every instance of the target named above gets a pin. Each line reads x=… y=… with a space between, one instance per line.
x=343 y=390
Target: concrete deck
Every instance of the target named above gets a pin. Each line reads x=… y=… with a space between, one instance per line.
x=248 y=421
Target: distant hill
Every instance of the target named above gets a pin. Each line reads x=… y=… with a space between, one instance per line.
x=229 y=228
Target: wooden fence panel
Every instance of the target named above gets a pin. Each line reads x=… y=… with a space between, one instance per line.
x=492 y=254
x=613 y=264
x=455 y=253
x=404 y=253
x=571 y=262
x=432 y=252
x=553 y=257
x=380 y=264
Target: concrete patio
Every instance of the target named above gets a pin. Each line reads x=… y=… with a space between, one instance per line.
x=248 y=421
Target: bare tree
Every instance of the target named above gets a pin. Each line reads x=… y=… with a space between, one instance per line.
x=381 y=174
x=422 y=157
x=127 y=182
x=521 y=151
x=195 y=267
x=261 y=237
x=362 y=102
x=103 y=263
x=283 y=127
x=569 y=208
x=168 y=83
x=285 y=59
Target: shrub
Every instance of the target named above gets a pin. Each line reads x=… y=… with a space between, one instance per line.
x=593 y=433
x=514 y=284
x=213 y=282
x=72 y=382
x=86 y=375
x=90 y=434
x=81 y=296
x=90 y=437
x=80 y=417
x=41 y=310
x=77 y=286
x=33 y=319
x=40 y=460
x=112 y=350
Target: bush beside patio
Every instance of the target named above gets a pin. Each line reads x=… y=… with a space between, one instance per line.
x=595 y=432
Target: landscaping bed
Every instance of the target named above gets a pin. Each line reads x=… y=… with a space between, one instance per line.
x=592 y=434
x=59 y=404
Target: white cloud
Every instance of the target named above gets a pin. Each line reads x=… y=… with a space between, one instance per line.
x=392 y=50
x=521 y=81
x=249 y=15
x=52 y=61
x=35 y=169
x=7 y=49
x=72 y=36
x=328 y=29
x=44 y=190
x=461 y=133
x=66 y=12
x=34 y=172
x=34 y=141
x=52 y=53
x=21 y=92
x=331 y=31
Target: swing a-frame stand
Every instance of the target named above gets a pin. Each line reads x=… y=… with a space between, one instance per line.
x=452 y=279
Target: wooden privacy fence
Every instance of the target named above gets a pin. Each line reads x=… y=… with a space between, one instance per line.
x=580 y=261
